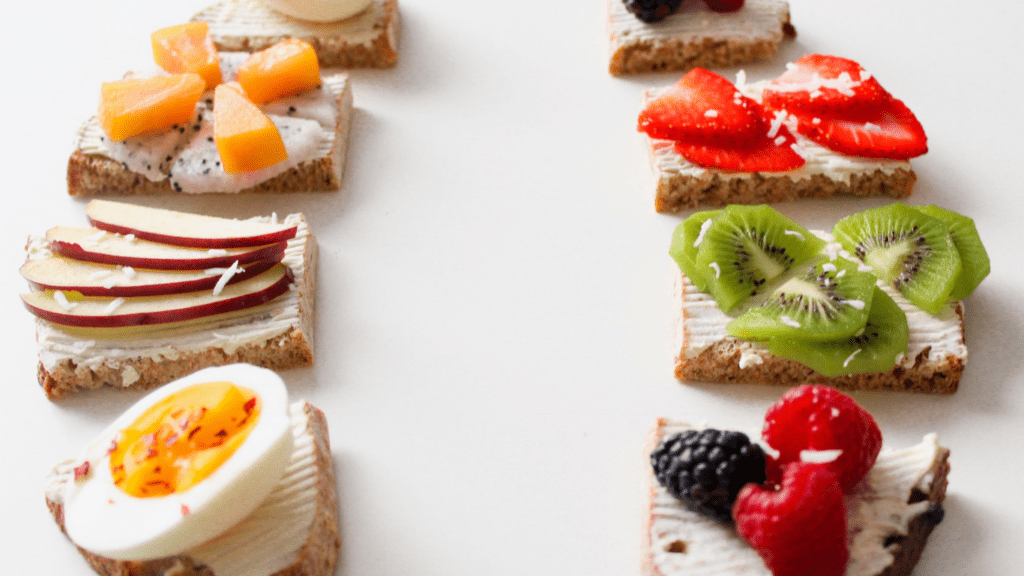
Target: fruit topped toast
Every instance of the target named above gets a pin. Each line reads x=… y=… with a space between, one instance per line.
x=824 y=127
x=814 y=493
x=662 y=35
x=216 y=122
x=875 y=304
x=147 y=295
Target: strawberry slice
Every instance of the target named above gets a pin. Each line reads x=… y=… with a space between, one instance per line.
x=770 y=151
x=889 y=131
x=824 y=84
x=702 y=105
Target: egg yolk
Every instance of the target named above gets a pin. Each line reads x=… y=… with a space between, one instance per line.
x=182 y=439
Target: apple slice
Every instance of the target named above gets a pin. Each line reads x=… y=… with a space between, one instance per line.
x=89 y=279
x=101 y=247
x=93 y=312
x=183 y=229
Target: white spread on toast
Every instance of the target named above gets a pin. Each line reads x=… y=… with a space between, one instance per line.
x=271 y=538
x=703 y=325
x=234 y=19
x=877 y=509
x=260 y=325
x=181 y=149
x=693 y=22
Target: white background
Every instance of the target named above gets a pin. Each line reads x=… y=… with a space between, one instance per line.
x=495 y=292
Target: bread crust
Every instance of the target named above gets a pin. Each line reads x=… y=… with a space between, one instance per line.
x=720 y=363
x=292 y=349
x=677 y=192
x=906 y=549
x=333 y=48
x=318 y=555
x=630 y=54
x=98 y=175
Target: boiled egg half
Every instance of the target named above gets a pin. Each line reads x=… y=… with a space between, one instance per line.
x=182 y=465
x=319 y=10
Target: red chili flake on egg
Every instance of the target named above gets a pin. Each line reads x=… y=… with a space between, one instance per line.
x=249 y=405
x=184 y=510
x=82 y=471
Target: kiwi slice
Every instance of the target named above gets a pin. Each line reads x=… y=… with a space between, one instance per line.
x=974 y=263
x=685 y=241
x=829 y=302
x=745 y=247
x=905 y=248
x=875 y=349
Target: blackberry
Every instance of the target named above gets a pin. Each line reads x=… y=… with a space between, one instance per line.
x=705 y=469
x=652 y=10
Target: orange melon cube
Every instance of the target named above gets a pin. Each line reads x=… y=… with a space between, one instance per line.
x=245 y=137
x=286 y=68
x=137 y=105
x=187 y=48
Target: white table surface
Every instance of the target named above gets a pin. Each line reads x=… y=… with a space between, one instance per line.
x=495 y=291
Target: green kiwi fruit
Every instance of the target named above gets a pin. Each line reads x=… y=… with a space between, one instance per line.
x=829 y=302
x=685 y=240
x=884 y=338
x=974 y=262
x=905 y=248
x=746 y=247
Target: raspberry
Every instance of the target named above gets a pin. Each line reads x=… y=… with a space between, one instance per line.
x=822 y=418
x=799 y=530
x=705 y=469
x=725 y=5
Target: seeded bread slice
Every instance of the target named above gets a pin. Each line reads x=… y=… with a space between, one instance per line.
x=308 y=483
x=276 y=335
x=679 y=542
x=935 y=361
x=695 y=36
x=92 y=173
x=367 y=40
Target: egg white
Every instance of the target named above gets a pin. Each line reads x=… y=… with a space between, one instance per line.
x=104 y=520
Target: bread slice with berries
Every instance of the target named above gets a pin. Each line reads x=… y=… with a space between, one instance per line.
x=823 y=128
x=695 y=36
x=878 y=526
x=293 y=533
x=272 y=329
x=368 y=39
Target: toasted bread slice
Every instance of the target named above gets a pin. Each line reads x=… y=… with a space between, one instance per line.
x=695 y=36
x=367 y=40
x=294 y=533
x=909 y=484
x=276 y=335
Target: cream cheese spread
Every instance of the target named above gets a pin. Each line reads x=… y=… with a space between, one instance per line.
x=271 y=538
x=878 y=508
x=260 y=325
x=703 y=324
x=758 y=20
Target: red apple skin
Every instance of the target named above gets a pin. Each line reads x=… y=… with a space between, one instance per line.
x=162 y=317
x=190 y=242
x=74 y=250
x=250 y=271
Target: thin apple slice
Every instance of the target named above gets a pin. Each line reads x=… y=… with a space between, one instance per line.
x=102 y=247
x=91 y=312
x=89 y=279
x=183 y=229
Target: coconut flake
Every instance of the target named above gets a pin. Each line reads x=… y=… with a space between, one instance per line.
x=225 y=278
x=796 y=233
x=217 y=252
x=62 y=300
x=820 y=456
x=114 y=305
x=789 y=321
x=828 y=267
x=858 y=304
x=718 y=270
x=129 y=271
x=712 y=113
x=850 y=357
x=703 y=230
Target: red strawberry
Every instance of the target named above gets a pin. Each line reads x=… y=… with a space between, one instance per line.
x=725 y=5
x=889 y=131
x=821 y=418
x=770 y=151
x=824 y=84
x=701 y=105
x=799 y=530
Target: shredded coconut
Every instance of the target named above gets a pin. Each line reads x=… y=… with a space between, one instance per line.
x=712 y=113
x=62 y=300
x=225 y=278
x=789 y=321
x=718 y=270
x=114 y=305
x=794 y=233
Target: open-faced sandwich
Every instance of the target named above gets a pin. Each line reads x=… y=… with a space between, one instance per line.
x=216 y=474
x=145 y=296
x=822 y=128
x=216 y=122
x=814 y=493
x=875 y=304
